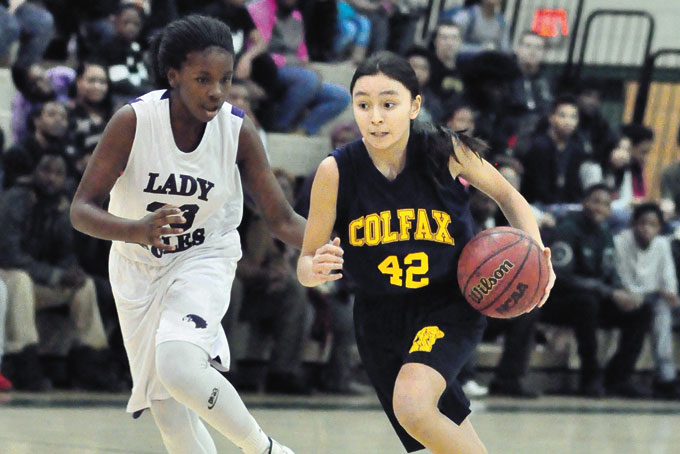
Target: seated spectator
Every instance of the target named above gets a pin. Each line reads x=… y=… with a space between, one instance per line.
x=379 y=13
x=275 y=304
x=38 y=239
x=431 y=109
x=589 y=293
x=90 y=113
x=49 y=127
x=446 y=79
x=239 y=96
x=5 y=384
x=83 y=23
x=462 y=118
x=593 y=126
x=482 y=26
x=530 y=95
x=29 y=23
x=404 y=24
x=306 y=103
x=513 y=171
x=248 y=42
x=123 y=56
x=353 y=33
x=557 y=166
x=21 y=362
x=645 y=263
x=487 y=78
x=518 y=332
x=35 y=85
x=334 y=303
x=9 y=35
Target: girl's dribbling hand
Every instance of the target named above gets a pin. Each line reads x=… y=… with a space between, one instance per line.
x=327 y=259
x=153 y=226
x=551 y=280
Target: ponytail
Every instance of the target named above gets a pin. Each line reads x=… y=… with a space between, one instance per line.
x=434 y=147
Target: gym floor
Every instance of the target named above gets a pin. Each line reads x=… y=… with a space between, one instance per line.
x=88 y=423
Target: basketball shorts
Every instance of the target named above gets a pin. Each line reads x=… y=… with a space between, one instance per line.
x=182 y=301
x=429 y=329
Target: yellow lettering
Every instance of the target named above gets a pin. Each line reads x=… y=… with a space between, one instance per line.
x=354 y=227
x=423 y=228
x=443 y=220
x=388 y=236
x=405 y=215
x=391 y=266
x=416 y=270
x=372 y=230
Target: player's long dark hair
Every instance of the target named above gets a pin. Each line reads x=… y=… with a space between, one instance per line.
x=170 y=46
x=437 y=145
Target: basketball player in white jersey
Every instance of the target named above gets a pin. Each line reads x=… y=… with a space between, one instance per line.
x=170 y=161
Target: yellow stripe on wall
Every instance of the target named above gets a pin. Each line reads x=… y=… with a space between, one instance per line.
x=663 y=116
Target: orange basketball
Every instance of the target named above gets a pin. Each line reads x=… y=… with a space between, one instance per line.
x=502 y=272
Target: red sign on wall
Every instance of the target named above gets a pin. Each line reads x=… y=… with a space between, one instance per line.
x=550 y=22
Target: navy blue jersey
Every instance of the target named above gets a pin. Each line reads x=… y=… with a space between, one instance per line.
x=404 y=235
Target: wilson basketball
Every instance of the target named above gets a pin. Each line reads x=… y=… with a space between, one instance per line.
x=502 y=272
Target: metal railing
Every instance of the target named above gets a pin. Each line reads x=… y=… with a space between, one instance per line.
x=615 y=44
x=647 y=74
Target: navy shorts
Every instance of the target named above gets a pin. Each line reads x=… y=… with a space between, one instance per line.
x=429 y=328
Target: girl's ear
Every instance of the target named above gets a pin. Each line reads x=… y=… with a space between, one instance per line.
x=415 y=107
x=173 y=77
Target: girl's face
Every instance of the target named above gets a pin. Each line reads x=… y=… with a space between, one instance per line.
x=128 y=24
x=53 y=120
x=203 y=81
x=383 y=109
x=92 y=85
x=564 y=120
x=463 y=119
x=421 y=67
x=646 y=228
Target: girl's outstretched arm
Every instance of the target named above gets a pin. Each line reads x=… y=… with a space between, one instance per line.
x=482 y=175
x=319 y=257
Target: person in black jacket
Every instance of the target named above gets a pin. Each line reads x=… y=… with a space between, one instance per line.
x=123 y=54
x=588 y=293
x=38 y=239
x=557 y=165
x=48 y=124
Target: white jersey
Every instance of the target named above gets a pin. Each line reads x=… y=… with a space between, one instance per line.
x=204 y=183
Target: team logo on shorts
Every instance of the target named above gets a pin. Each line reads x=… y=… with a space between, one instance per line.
x=213 y=398
x=199 y=323
x=426 y=338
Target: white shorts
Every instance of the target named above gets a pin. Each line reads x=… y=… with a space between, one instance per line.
x=185 y=300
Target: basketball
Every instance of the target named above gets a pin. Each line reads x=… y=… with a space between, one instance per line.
x=502 y=272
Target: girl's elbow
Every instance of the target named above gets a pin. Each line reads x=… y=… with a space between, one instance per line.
x=76 y=218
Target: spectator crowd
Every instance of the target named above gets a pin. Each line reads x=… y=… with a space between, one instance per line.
x=615 y=251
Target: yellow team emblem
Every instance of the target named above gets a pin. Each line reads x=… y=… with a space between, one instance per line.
x=426 y=338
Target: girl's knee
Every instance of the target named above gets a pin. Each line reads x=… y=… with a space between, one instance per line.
x=413 y=404
x=178 y=364
x=411 y=410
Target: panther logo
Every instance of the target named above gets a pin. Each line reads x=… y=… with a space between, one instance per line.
x=198 y=322
x=426 y=338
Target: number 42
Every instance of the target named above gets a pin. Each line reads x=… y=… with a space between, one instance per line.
x=417 y=265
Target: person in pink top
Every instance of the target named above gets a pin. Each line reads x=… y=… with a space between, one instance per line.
x=282 y=27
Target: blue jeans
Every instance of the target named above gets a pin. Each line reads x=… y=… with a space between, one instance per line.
x=304 y=91
x=355 y=30
x=9 y=31
x=37 y=30
x=662 y=340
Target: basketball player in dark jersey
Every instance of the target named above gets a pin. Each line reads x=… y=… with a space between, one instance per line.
x=402 y=217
